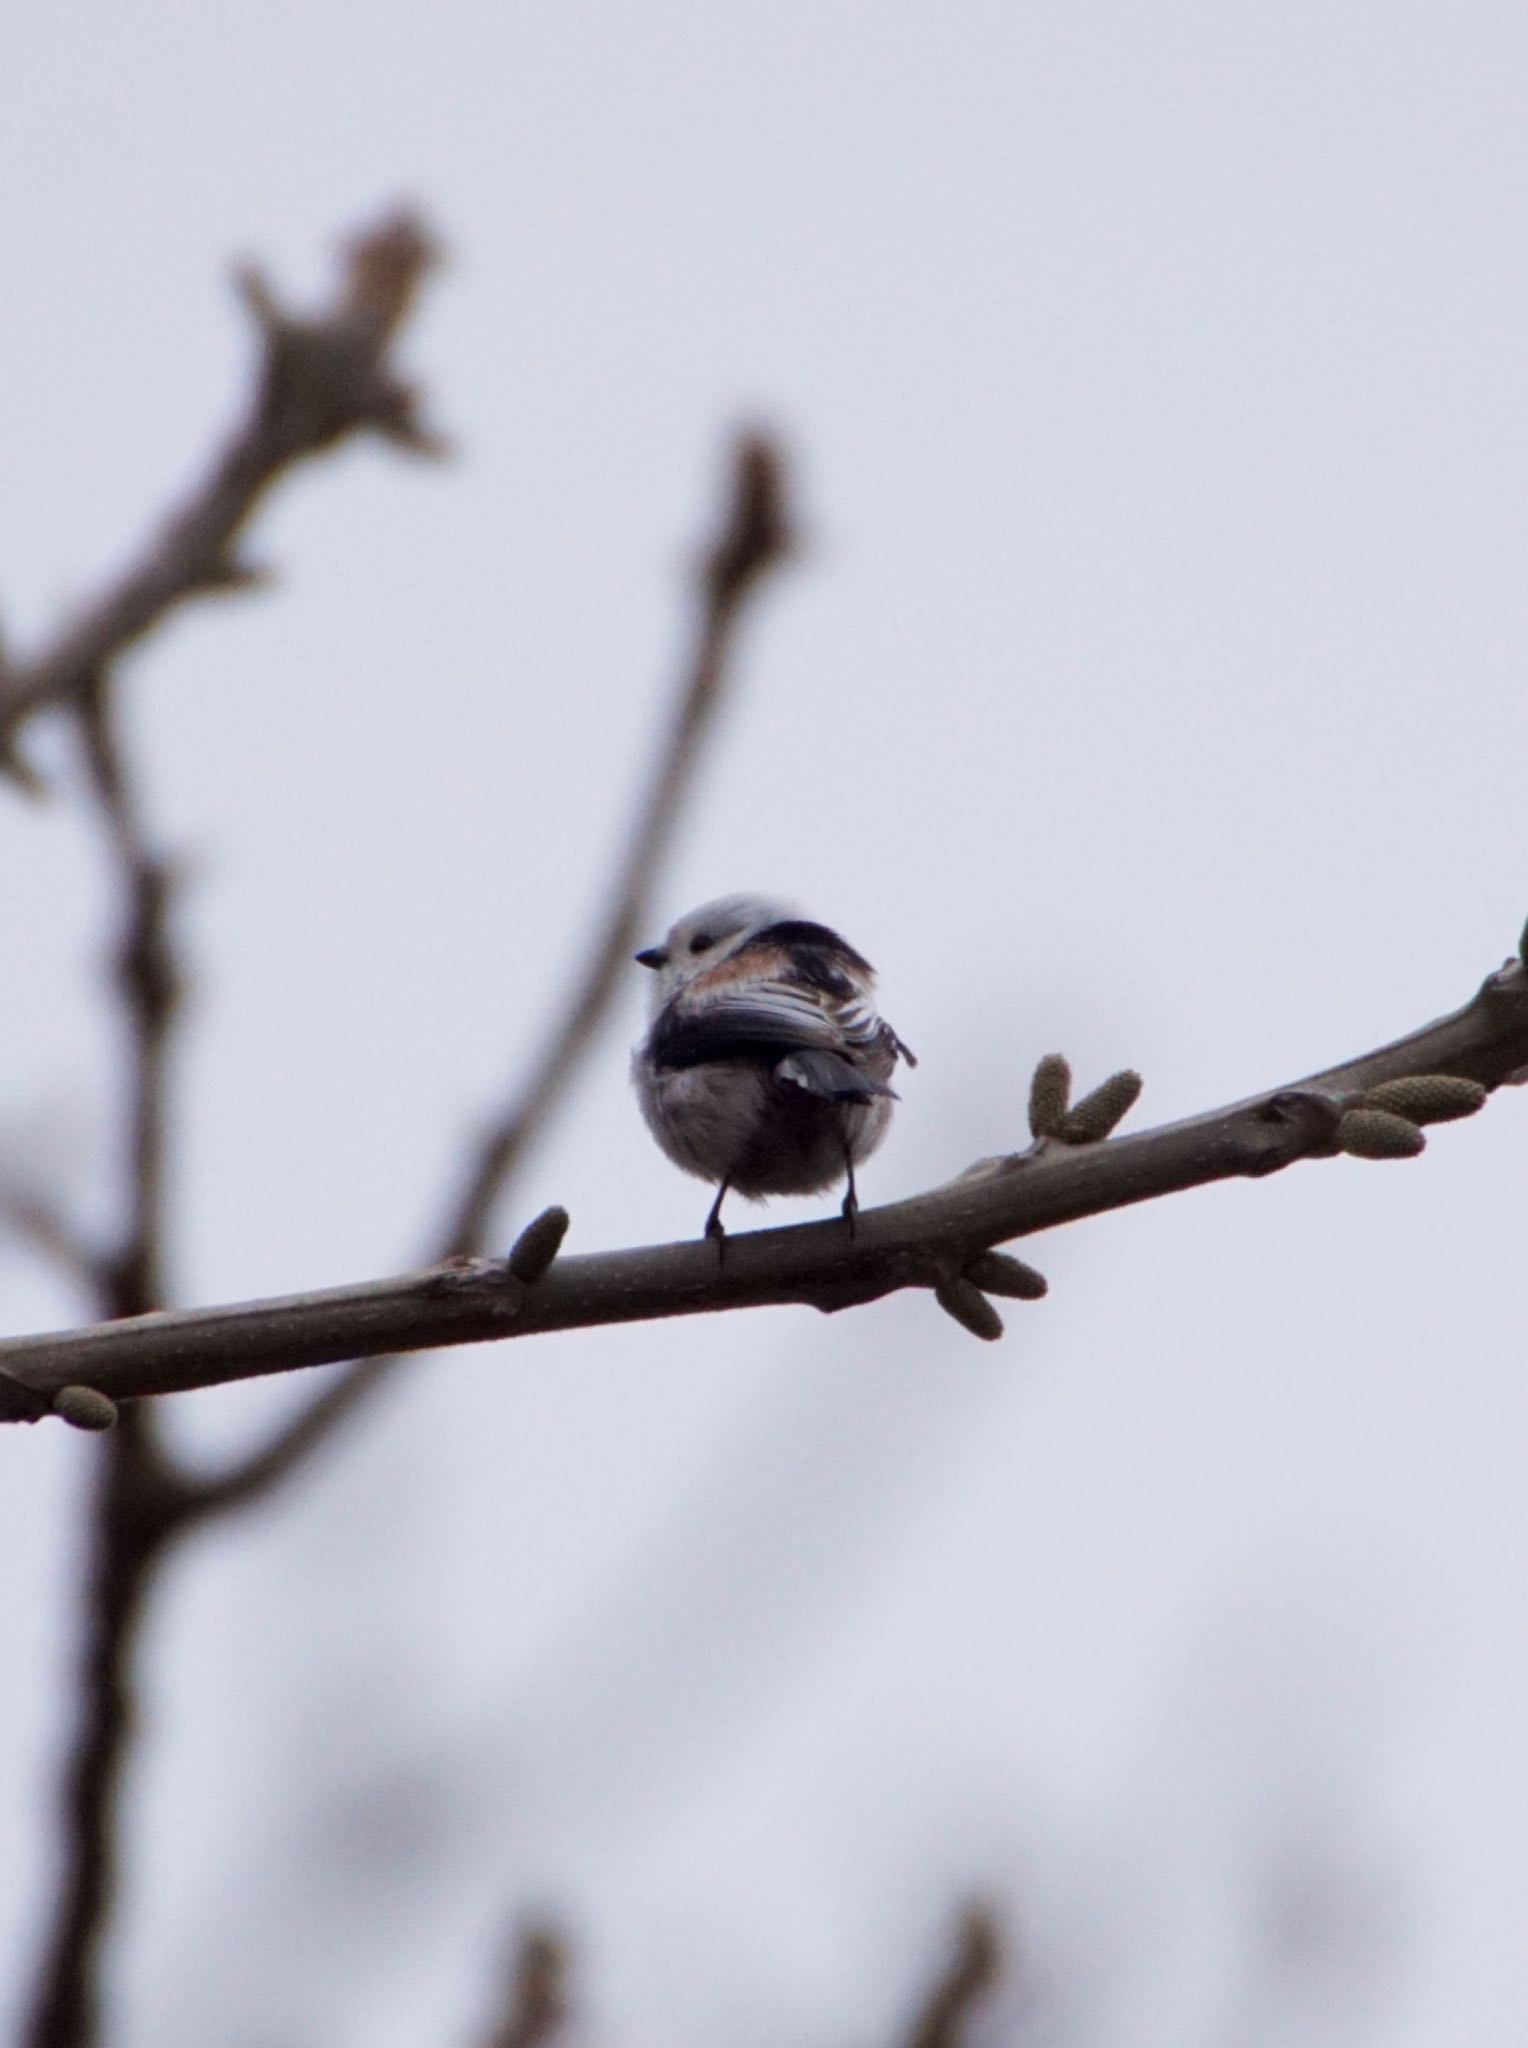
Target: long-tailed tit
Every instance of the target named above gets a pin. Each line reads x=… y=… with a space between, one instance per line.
x=765 y=1068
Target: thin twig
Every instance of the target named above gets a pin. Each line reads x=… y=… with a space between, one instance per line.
x=754 y=537
x=971 y=1971
x=140 y=1499
x=915 y=1243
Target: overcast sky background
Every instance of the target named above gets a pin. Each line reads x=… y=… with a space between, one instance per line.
x=1152 y=688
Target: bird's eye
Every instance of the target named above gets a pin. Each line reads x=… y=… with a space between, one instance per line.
x=702 y=942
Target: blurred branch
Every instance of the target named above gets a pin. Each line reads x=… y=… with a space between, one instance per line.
x=140 y=1499
x=320 y=380
x=972 y=1970
x=754 y=537
x=930 y=1241
x=536 y=1995
x=148 y=987
x=132 y=1518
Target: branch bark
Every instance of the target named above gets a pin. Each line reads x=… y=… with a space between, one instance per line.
x=922 y=1242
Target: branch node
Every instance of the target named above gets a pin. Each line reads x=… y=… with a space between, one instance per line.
x=997 y=1273
x=965 y=1302
x=1050 y=1095
x=84 y=1408
x=465 y=1273
x=1428 y=1098
x=532 y=1253
x=1095 y=1116
x=1379 y=1134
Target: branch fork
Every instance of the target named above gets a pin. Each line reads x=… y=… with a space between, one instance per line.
x=321 y=379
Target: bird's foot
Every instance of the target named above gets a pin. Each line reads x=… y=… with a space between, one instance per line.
x=715 y=1229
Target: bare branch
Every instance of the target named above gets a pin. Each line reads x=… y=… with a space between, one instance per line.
x=924 y=1242
x=320 y=380
x=754 y=537
x=970 y=1973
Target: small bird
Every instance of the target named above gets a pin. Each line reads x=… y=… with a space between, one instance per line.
x=766 y=1067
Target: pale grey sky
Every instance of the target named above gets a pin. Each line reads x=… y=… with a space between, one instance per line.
x=1153 y=688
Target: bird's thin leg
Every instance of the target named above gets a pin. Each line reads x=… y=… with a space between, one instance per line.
x=714 y=1225
x=851 y=1199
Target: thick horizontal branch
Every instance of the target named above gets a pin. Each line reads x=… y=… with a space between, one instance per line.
x=916 y=1243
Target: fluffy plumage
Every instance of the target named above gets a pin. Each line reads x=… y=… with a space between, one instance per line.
x=766 y=1068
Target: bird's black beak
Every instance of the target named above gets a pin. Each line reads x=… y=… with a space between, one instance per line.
x=651 y=956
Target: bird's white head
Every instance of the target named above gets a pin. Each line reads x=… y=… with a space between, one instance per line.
x=705 y=936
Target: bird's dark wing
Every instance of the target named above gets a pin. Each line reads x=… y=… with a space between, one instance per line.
x=768 y=1019
x=758 y=1018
